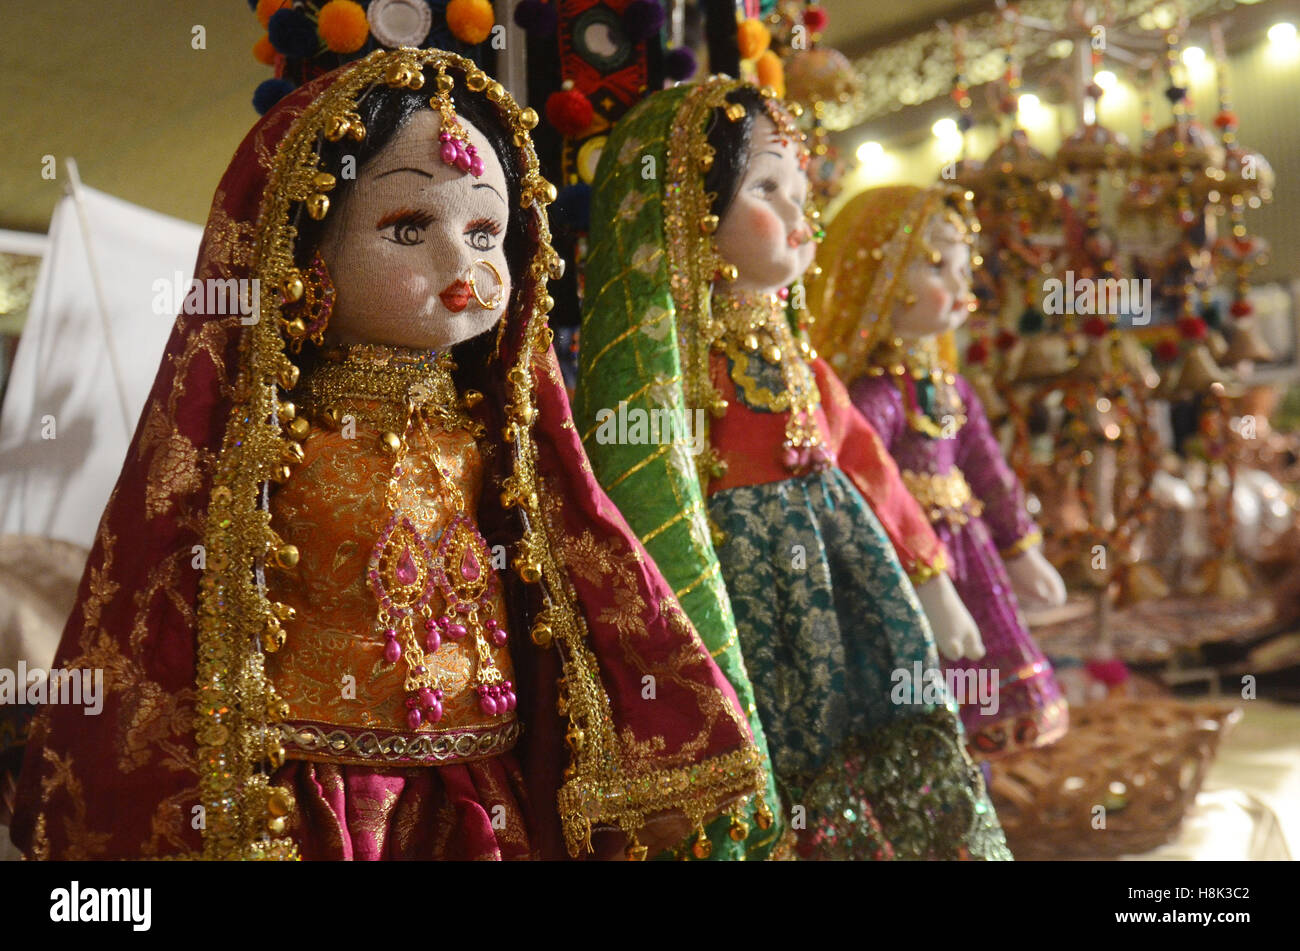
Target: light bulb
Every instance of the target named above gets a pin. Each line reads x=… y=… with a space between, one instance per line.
x=870 y=152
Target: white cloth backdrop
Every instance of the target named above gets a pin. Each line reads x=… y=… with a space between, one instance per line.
x=58 y=487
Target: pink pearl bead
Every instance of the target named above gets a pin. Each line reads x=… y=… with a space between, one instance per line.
x=426 y=697
x=414 y=718
x=456 y=631
x=435 y=711
x=392 y=651
x=448 y=153
x=476 y=166
x=433 y=641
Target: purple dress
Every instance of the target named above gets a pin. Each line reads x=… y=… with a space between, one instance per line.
x=976 y=505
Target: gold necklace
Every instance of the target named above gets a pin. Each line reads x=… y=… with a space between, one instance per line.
x=910 y=362
x=406 y=569
x=744 y=325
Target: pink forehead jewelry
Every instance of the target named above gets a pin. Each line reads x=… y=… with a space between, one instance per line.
x=456 y=149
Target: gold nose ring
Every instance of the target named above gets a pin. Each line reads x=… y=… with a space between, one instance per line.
x=495 y=302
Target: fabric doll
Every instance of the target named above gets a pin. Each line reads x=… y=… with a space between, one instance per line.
x=755 y=484
x=356 y=592
x=895 y=282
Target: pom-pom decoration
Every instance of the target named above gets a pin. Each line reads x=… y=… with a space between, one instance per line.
x=292 y=34
x=269 y=92
x=1006 y=340
x=977 y=352
x=771 y=72
x=342 y=26
x=1111 y=672
x=1031 y=321
x=1193 y=328
x=643 y=19
x=815 y=18
x=264 y=52
x=753 y=38
x=1096 y=327
x=569 y=111
x=680 y=63
x=267 y=8
x=1166 y=350
x=536 y=17
x=1241 y=308
x=470 y=21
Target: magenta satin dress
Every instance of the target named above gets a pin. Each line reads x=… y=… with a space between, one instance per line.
x=1031 y=710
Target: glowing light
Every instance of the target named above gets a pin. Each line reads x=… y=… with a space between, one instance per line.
x=1029 y=102
x=1193 y=57
x=1060 y=49
x=871 y=152
x=1282 y=34
x=945 y=128
x=1106 y=79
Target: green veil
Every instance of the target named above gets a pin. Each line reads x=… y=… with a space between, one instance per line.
x=644 y=399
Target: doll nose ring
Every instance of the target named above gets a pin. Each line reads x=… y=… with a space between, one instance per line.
x=799 y=236
x=495 y=302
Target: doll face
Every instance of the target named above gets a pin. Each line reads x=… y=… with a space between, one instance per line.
x=764 y=231
x=940 y=281
x=411 y=233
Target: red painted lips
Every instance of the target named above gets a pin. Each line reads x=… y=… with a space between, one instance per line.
x=455 y=296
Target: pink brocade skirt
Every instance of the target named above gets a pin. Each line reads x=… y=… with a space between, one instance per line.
x=458 y=812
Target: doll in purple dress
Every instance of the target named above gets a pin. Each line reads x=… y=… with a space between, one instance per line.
x=894 y=283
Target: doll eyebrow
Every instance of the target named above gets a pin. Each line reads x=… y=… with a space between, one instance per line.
x=404 y=168
x=494 y=191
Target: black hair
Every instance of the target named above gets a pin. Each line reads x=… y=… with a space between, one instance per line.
x=730 y=141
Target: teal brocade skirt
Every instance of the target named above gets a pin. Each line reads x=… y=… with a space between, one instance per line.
x=825 y=616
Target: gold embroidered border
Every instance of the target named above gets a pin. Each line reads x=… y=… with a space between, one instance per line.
x=1022 y=545
x=338 y=744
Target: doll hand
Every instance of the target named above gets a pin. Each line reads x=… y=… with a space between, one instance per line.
x=955 y=632
x=1037 y=583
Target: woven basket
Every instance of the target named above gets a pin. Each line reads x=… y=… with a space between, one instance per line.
x=1141 y=760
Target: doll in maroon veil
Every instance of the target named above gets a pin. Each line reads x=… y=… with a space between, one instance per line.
x=356 y=593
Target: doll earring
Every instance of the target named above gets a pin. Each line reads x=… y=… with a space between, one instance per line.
x=495 y=302
x=310 y=297
x=456 y=149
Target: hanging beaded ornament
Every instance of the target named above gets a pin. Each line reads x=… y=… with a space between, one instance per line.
x=456 y=150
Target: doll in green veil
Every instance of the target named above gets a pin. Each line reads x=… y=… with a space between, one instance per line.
x=768 y=502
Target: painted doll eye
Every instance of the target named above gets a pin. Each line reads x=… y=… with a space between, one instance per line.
x=766 y=187
x=405 y=227
x=480 y=233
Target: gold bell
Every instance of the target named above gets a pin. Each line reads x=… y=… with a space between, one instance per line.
x=528 y=118
x=772 y=353
x=275 y=824
x=528 y=571
x=273 y=637
x=391 y=442
x=635 y=851
x=542 y=634
x=764 y=816
x=285 y=612
x=323 y=181
x=337 y=128
x=276 y=755
x=739 y=830
x=281 y=473
x=702 y=847
x=709 y=224
x=279 y=802
x=751 y=342
x=288 y=375
x=296 y=328
x=718 y=407
x=472 y=398
x=277 y=709
x=299 y=428
x=286 y=556
x=318 y=205
x=292 y=287
x=729 y=272
x=574 y=737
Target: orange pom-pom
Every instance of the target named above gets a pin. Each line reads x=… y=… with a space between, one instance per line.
x=753 y=38
x=342 y=26
x=264 y=52
x=265 y=8
x=470 y=21
x=771 y=72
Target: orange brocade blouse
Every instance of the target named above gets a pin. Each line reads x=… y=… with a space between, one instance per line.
x=346 y=702
x=749 y=442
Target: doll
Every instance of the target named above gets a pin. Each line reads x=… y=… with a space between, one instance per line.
x=355 y=592
x=895 y=281
x=758 y=503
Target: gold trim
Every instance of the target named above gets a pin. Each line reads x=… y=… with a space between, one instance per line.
x=1022 y=545
x=338 y=744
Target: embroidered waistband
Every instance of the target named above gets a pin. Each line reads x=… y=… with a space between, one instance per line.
x=337 y=744
x=946 y=496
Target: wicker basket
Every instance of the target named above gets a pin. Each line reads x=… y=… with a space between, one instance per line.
x=1142 y=760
